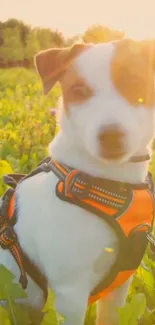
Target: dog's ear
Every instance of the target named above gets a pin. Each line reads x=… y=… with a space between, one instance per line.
x=149 y=51
x=52 y=63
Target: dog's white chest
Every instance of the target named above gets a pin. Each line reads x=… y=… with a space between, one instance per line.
x=62 y=239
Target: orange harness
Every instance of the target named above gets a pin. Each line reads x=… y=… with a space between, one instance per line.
x=128 y=209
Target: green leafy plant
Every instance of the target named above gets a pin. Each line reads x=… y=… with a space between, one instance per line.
x=9 y=292
x=51 y=316
x=131 y=312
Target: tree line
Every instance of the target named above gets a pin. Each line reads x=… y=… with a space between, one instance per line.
x=19 y=42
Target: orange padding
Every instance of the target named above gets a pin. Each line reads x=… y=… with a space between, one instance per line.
x=139 y=212
x=11 y=207
x=121 y=278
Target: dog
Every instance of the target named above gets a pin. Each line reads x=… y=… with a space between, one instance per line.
x=107 y=118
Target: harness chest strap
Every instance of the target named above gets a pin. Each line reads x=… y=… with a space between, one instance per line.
x=120 y=205
x=129 y=209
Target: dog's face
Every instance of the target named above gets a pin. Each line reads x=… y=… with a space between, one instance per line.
x=108 y=95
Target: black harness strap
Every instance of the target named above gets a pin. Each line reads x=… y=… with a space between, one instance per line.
x=35 y=274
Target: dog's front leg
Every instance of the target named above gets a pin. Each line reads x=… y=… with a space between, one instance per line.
x=107 y=308
x=72 y=302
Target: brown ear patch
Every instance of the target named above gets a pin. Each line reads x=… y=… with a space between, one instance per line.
x=132 y=72
x=52 y=63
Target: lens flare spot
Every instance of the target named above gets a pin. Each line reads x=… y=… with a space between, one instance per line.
x=109 y=250
x=140 y=100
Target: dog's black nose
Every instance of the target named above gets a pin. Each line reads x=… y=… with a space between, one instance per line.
x=111 y=141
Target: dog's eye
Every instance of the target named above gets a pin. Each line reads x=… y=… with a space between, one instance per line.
x=81 y=92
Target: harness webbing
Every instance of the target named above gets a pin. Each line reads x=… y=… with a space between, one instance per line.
x=105 y=198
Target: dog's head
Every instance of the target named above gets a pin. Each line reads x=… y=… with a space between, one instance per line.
x=108 y=95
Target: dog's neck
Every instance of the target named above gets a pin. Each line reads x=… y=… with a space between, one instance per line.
x=66 y=152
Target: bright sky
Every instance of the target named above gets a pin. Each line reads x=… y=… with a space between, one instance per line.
x=136 y=17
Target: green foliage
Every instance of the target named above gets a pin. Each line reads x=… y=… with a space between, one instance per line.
x=152 y=165
x=26 y=123
x=5 y=168
x=9 y=291
x=15 y=23
x=4 y=316
x=12 y=312
x=26 y=128
x=51 y=316
x=20 y=42
x=32 y=45
x=99 y=34
x=131 y=312
x=12 y=48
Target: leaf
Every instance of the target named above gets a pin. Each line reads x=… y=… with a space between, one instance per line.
x=124 y=314
x=17 y=313
x=16 y=291
x=5 y=275
x=5 y=167
x=139 y=304
x=148 y=317
x=148 y=280
x=91 y=315
x=4 y=316
x=7 y=287
x=51 y=315
x=23 y=160
x=131 y=312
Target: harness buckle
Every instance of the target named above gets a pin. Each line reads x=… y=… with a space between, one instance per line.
x=45 y=167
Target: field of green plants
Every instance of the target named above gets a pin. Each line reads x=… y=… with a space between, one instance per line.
x=26 y=128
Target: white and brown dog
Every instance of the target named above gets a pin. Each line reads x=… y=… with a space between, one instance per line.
x=107 y=118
